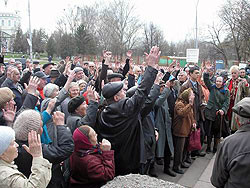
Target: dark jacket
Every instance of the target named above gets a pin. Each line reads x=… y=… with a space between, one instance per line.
x=74 y=120
x=61 y=148
x=231 y=166
x=16 y=89
x=218 y=99
x=120 y=123
x=149 y=123
x=90 y=166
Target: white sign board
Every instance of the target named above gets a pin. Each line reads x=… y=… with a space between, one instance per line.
x=192 y=55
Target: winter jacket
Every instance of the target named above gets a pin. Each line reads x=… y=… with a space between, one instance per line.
x=231 y=165
x=163 y=122
x=90 y=166
x=61 y=148
x=39 y=178
x=183 y=118
x=120 y=123
x=218 y=99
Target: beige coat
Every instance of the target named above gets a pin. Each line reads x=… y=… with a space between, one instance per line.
x=10 y=177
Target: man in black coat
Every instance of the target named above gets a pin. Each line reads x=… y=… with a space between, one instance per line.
x=120 y=121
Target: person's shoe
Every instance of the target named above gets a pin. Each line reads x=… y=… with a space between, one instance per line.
x=188 y=160
x=178 y=171
x=169 y=172
x=184 y=165
x=200 y=154
x=214 y=150
x=152 y=173
x=208 y=150
x=159 y=161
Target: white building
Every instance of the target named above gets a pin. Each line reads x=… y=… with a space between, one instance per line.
x=9 y=22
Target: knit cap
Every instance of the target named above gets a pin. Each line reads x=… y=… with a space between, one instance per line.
x=7 y=135
x=5 y=96
x=25 y=122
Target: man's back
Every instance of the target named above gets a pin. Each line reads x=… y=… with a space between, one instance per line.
x=232 y=164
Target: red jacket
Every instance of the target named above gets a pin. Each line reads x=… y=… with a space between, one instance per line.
x=90 y=167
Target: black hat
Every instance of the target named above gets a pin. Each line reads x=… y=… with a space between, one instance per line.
x=74 y=103
x=131 y=91
x=110 y=89
x=115 y=75
x=36 y=62
x=54 y=73
x=2 y=59
x=40 y=74
x=47 y=64
x=242 y=108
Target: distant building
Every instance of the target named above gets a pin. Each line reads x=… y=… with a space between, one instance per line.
x=9 y=23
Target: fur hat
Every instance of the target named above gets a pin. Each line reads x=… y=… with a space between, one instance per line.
x=7 y=135
x=242 y=108
x=185 y=94
x=5 y=96
x=110 y=89
x=74 y=103
x=25 y=122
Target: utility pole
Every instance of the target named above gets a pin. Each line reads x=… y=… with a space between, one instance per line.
x=196 y=26
x=30 y=34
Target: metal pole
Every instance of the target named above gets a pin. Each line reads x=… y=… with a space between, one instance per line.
x=196 y=26
x=30 y=34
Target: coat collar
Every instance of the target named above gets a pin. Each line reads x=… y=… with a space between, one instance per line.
x=244 y=128
x=11 y=165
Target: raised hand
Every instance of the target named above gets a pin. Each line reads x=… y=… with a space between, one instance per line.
x=129 y=54
x=51 y=105
x=105 y=145
x=107 y=56
x=9 y=112
x=35 y=147
x=72 y=76
x=158 y=78
x=58 y=118
x=91 y=93
x=153 y=57
x=32 y=86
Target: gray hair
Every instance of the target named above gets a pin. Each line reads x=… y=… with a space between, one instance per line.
x=49 y=89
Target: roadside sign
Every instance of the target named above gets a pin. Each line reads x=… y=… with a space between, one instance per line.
x=192 y=55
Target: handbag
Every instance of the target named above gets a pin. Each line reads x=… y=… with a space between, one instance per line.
x=194 y=140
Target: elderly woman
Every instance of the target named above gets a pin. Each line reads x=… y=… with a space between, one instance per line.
x=216 y=108
x=238 y=88
x=92 y=165
x=182 y=124
x=9 y=174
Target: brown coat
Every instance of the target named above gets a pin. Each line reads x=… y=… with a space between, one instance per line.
x=198 y=113
x=183 y=118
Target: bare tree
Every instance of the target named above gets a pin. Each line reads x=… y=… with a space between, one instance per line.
x=119 y=27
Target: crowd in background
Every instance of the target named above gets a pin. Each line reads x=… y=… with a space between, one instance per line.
x=77 y=123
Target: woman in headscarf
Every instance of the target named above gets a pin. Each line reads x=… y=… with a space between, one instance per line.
x=92 y=164
x=9 y=174
x=182 y=124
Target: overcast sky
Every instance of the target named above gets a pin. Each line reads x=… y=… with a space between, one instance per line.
x=175 y=17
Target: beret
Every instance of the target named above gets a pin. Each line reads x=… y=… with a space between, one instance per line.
x=110 y=89
x=41 y=74
x=47 y=64
x=74 y=103
x=171 y=77
x=131 y=91
x=36 y=62
x=54 y=73
x=242 y=108
x=78 y=69
x=115 y=75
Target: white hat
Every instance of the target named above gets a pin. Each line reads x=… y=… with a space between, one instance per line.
x=7 y=135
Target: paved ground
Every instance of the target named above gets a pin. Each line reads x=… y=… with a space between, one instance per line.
x=196 y=176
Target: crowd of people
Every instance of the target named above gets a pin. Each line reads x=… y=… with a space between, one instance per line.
x=77 y=123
